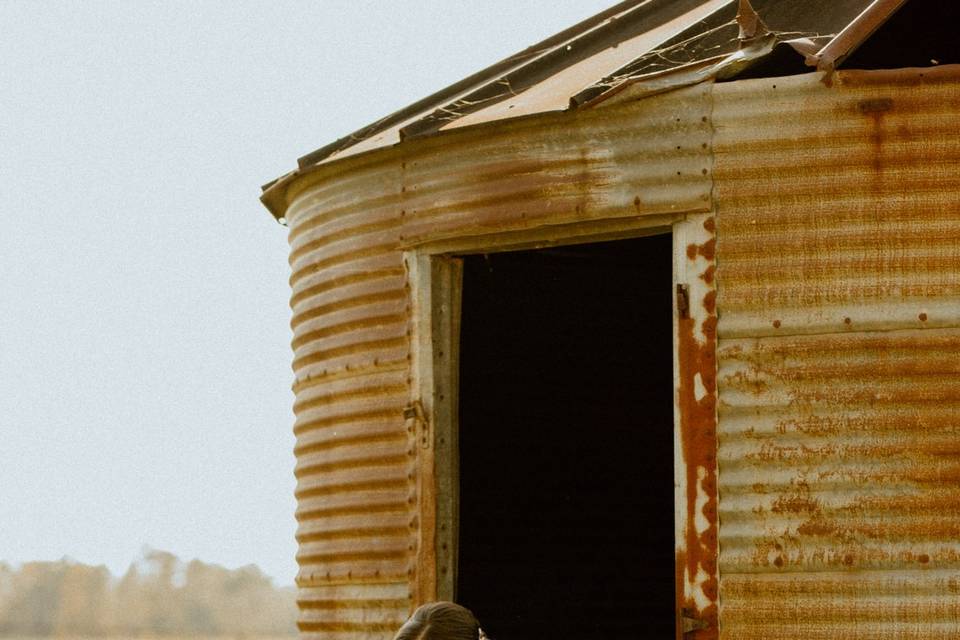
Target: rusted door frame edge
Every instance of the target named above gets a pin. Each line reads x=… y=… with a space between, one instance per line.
x=695 y=427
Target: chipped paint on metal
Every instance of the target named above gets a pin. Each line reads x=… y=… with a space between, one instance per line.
x=696 y=462
x=839 y=393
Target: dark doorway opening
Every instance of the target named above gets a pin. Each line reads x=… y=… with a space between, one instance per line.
x=566 y=442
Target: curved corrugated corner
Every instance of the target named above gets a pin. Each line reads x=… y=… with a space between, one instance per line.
x=839 y=415
x=356 y=466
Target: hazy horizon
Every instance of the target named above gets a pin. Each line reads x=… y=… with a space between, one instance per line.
x=160 y=595
x=145 y=551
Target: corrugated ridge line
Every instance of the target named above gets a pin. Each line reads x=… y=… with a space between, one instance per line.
x=371 y=280
x=335 y=393
x=355 y=458
x=880 y=150
x=336 y=257
x=356 y=526
x=635 y=159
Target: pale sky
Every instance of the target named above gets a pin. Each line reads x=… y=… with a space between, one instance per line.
x=144 y=341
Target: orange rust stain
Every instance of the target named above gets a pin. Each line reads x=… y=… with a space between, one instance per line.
x=875 y=109
x=710 y=301
x=741 y=380
x=795 y=504
x=875 y=105
x=709 y=249
x=816 y=527
x=710 y=224
x=709 y=274
x=699 y=446
x=776 y=324
x=923 y=558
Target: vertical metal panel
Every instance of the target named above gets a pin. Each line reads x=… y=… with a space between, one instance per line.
x=839 y=298
x=362 y=534
x=695 y=451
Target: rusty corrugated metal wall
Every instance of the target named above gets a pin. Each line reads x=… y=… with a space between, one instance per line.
x=358 y=494
x=838 y=231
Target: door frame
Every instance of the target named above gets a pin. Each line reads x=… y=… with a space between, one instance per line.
x=435 y=279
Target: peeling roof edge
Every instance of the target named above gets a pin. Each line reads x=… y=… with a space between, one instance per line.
x=274 y=196
x=756 y=42
x=448 y=93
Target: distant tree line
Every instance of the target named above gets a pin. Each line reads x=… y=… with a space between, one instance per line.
x=158 y=596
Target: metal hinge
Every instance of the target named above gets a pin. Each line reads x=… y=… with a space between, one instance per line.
x=683 y=301
x=414 y=411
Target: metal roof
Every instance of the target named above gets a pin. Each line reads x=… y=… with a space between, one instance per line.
x=633 y=41
x=647 y=45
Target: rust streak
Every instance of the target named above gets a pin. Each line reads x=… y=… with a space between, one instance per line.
x=698 y=438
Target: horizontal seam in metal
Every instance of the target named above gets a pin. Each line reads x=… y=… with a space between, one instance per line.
x=721 y=338
x=342 y=579
x=326 y=604
x=782 y=573
x=400 y=364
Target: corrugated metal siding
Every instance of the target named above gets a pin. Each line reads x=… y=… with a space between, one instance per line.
x=352 y=320
x=356 y=489
x=839 y=295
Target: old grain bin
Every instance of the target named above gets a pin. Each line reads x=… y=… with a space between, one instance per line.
x=801 y=160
